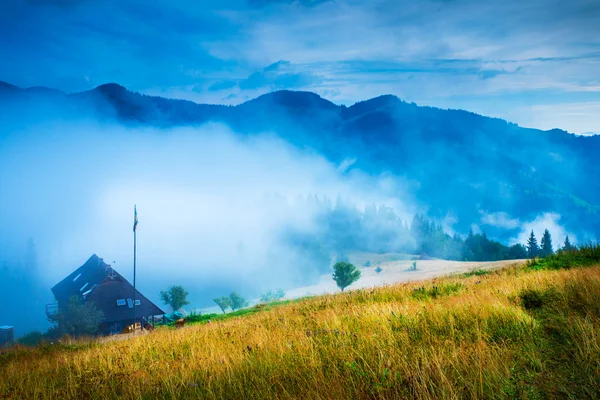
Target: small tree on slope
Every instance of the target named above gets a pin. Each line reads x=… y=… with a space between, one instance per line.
x=344 y=274
x=223 y=302
x=176 y=297
x=237 y=301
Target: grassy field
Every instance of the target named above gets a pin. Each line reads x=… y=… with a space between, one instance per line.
x=527 y=331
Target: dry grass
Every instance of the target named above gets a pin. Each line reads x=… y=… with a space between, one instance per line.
x=455 y=338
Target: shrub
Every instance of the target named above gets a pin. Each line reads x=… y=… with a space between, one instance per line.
x=272 y=296
x=531 y=299
x=77 y=318
x=476 y=272
x=587 y=254
x=197 y=316
x=31 y=339
x=436 y=291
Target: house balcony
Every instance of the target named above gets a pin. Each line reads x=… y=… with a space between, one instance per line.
x=51 y=309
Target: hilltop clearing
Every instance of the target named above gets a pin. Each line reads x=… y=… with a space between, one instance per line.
x=393 y=272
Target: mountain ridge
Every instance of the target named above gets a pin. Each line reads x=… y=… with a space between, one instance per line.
x=466 y=165
x=383 y=100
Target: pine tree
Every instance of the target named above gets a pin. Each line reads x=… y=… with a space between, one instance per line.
x=546 y=249
x=568 y=246
x=533 y=249
x=30 y=256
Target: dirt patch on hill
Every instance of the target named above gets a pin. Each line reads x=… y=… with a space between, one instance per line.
x=398 y=271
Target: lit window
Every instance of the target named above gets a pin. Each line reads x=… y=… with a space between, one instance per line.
x=137 y=303
x=120 y=302
x=129 y=303
x=84 y=286
x=86 y=293
x=77 y=277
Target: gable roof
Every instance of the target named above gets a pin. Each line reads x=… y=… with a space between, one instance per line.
x=82 y=279
x=114 y=287
x=98 y=282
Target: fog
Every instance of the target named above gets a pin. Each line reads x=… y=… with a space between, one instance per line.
x=212 y=206
x=221 y=210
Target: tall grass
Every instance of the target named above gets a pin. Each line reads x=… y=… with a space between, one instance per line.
x=456 y=338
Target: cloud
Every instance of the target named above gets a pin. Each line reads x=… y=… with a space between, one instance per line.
x=485 y=55
x=279 y=75
x=79 y=43
x=346 y=164
x=548 y=221
x=56 y=3
x=200 y=192
x=500 y=220
x=222 y=85
x=304 y=3
x=585 y=116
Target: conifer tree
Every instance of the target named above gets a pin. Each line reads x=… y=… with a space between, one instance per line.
x=546 y=243
x=532 y=246
x=568 y=246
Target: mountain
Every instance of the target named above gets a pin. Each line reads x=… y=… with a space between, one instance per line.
x=459 y=164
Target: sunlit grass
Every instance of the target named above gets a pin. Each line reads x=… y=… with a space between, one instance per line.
x=512 y=333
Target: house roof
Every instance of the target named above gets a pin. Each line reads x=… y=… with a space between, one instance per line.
x=98 y=282
x=82 y=279
x=114 y=287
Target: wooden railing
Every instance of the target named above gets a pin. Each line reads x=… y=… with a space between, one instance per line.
x=51 y=309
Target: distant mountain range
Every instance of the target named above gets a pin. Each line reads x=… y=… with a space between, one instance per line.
x=466 y=165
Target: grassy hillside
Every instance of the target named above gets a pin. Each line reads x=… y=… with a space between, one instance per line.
x=527 y=331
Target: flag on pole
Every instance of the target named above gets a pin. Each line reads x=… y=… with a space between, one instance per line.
x=135 y=219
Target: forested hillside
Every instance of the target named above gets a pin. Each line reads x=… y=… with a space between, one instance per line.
x=452 y=162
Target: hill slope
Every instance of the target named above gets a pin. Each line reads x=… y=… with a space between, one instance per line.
x=457 y=163
x=521 y=332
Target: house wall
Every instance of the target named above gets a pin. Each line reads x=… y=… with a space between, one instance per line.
x=7 y=336
x=111 y=328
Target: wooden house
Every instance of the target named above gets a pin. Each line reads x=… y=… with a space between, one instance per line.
x=97 y=282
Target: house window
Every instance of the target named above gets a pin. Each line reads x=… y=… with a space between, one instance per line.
x=84 y=286
x=86 y=293
x=120 y=302
x=129 y=303
x=77 y=277
x=137 y=302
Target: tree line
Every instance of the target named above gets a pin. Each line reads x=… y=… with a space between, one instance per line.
x=342 y=229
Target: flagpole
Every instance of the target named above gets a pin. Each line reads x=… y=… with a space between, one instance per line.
x=134 y=260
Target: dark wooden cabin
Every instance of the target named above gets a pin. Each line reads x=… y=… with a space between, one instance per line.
x=98 y=282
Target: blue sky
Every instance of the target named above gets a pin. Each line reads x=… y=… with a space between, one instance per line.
x=533 y=62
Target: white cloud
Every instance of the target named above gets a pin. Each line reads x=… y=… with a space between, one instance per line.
x=499 y=219
x=534 y=46
x=548 y=221
x=200 y=192
x=580 y=117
